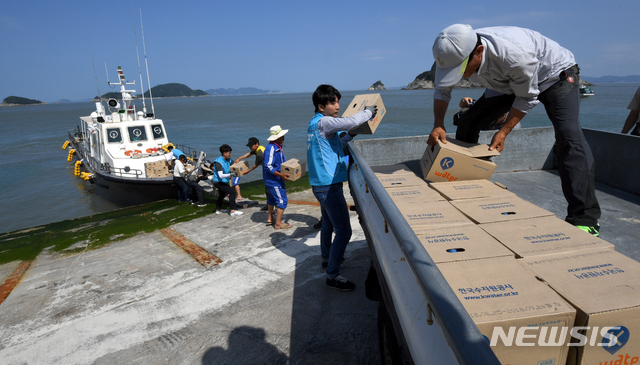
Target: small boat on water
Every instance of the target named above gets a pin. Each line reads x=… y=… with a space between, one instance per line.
x=586 y=91
x=125 y=152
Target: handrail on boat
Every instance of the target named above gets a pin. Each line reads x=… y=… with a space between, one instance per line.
x=462 y=334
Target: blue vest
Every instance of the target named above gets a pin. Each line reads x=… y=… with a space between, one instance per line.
x=226 y=164
x=325 y=158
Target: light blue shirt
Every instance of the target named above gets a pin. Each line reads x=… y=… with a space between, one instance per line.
x=325 y=157
x=517 y=61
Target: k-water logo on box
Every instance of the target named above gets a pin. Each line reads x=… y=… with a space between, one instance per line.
x=446 y=163
x=613 y=339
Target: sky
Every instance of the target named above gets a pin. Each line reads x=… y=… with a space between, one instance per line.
x=52 y=50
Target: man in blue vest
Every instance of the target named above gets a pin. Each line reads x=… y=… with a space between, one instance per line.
x=327 y=172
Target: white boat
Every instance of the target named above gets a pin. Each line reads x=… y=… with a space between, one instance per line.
x=124 y=151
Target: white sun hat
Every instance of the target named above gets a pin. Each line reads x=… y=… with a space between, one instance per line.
x=276 y=132
x=451 y=51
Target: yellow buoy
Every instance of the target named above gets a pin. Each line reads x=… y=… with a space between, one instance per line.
x=77 y=168
x=165 y=147
x=71 y=152
x=64 y=146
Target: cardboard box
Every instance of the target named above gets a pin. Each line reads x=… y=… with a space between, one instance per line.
x=604 y=287
x=504 y=298
x=391 y=170
x=419 y=193
x=240 y=167
x=157 y=169
x=543 y=236
x=438 y=213
x=294 y=168
x=456 y=160
x=459 y=243
x=500 y=209
x=397 y=180
x=470 y=189
x=358 y=104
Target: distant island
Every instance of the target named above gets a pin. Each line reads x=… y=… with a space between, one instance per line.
x=241 y=91
x=176 y=90
x=378 y=85
x=18 y=101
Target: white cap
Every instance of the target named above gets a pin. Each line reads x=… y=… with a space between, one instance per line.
x=276 y=132
x=451 y=51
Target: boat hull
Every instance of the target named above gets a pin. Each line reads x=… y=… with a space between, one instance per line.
x=134 y=191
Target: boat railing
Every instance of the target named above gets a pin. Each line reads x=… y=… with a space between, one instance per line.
x=190 y=152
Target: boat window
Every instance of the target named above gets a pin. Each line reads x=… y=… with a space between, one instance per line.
x=113 y=135
x=137 y=134
x=157 y=130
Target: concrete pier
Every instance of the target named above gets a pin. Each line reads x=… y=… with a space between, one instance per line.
x=146 y=300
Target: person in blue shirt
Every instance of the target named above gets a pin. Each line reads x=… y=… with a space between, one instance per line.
x=220 y=180
x=327 y=171
x=274 y=180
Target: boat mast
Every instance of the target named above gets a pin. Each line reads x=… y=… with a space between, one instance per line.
x=127 y=99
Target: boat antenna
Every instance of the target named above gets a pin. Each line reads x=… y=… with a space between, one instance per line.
x=96 y=76
x=107 y=71
x=144 y=105
x=146 y=65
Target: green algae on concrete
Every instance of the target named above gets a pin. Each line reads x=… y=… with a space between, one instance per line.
x=94 y=231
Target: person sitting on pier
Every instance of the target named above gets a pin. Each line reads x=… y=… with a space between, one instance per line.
x=273 y=178
x=220 y=179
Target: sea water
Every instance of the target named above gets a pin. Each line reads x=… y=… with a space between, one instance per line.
x=38 y=186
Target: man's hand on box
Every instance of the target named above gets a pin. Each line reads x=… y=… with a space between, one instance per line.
x=438 y=133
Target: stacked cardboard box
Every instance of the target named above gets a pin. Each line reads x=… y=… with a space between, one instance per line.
x=499 y=209
x=157 y=169
x=604 y=287
x=512 y=309
x=459 y=243
x=470 y=189
x=579 y=270
x=543 y=236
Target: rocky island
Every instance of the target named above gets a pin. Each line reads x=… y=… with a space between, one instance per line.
x=18 y=101
x=378 y=85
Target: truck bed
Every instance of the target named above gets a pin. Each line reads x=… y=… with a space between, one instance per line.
x=412 y=287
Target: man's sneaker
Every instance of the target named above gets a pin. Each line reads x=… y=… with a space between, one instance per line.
x=340 y=283
x=318 y=225
x=202 y=205
x=236 y=213
x=591 y=230
x=221 y=211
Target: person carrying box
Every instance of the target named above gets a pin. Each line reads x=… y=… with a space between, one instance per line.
x=273 y=178
x=327 y=172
